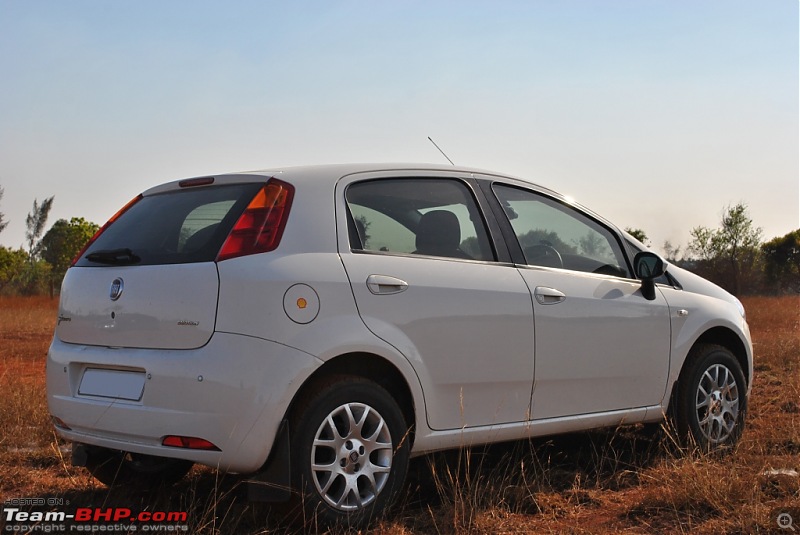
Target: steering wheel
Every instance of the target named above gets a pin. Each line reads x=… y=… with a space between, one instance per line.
x=544 y=255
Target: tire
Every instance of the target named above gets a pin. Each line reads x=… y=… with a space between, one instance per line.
x=711 y=400
x=132 y=470
x=350 y=451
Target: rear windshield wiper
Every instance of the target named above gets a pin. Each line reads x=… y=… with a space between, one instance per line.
x=113 y=256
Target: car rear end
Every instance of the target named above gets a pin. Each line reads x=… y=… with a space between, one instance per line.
x=137 y=363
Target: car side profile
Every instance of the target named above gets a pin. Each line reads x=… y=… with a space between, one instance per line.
x=314 y=327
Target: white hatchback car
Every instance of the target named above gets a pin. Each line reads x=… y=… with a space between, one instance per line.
x=316 y=326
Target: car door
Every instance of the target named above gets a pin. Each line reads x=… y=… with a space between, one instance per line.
x=600 y=345
x=424 y=274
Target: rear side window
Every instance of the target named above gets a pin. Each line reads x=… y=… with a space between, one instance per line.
x=432 y=217
x=176 y=227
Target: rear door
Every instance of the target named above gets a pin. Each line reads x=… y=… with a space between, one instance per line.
x=600 y=345
x=149 y=280
x=426 y=280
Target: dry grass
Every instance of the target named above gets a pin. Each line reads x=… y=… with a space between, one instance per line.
x=624 y=480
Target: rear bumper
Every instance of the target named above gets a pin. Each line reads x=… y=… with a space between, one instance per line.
x=233 y=392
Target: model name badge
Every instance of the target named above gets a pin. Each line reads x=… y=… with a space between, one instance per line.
x=189 y=323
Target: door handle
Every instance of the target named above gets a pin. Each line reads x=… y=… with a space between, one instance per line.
x=385 y=285
x=548 y=296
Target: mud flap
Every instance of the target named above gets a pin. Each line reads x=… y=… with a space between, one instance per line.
x=80 y=454
x=273 y=482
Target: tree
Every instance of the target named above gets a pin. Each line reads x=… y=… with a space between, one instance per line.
x=671 y=252
x=731 y=252
x=3 y=224
x=639 y=234
x=35 y=223
x=62 y=242
x=12 y=267
x=782 y=262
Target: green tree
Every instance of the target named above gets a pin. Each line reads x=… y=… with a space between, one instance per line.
x=35 y=223
x=13 y=264
x=62 y=242
x=639 y=234
x=3 y=224
x=782 y=262
x=730 y=253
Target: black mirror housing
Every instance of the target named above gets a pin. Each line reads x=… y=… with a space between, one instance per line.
x=648 y=267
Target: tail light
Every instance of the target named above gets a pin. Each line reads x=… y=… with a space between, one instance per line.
x=260 y=227
x=104 y=227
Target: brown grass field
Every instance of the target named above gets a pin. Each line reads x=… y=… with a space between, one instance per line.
x=625 y=480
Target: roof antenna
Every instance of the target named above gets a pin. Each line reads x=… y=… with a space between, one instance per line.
x=440 y=150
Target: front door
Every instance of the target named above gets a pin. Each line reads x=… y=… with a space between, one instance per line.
x=600 y=345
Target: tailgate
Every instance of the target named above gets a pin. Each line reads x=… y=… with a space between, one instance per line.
x=169 y=306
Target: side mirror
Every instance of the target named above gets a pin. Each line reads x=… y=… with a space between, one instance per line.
x=648 y=267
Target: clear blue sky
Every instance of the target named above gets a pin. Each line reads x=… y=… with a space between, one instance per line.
x=656 y=114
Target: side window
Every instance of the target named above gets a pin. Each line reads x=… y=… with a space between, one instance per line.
x=552 y=234
x=433 y=217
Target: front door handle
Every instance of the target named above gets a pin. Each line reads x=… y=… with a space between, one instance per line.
x=385 y=285
x=548 y=296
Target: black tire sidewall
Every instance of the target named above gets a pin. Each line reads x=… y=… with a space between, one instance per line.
x=686 y=418
x=306 y=423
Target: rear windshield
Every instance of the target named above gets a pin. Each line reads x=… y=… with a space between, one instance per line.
x=176 y=227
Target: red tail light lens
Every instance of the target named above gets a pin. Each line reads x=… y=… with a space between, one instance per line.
x=260 y=227
x=104 y=227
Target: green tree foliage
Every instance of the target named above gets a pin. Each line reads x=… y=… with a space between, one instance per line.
x=782 y=263
x=13 y=264
x=639 y=234
x=3 y=224
x=730 y=254
x=35 y=223
x=62 y=242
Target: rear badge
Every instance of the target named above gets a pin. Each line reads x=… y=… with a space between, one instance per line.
x=116 y=289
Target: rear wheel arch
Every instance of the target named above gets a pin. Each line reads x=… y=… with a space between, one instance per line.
x=366 y=366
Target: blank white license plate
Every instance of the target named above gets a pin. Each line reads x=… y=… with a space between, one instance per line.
x=116 y=384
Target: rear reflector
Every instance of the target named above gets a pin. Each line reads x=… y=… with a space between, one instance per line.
x=58 y=422
x=192 y=443
x=260 y=227
x=104 y=227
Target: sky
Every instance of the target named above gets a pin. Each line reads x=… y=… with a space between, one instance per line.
x=655 y=114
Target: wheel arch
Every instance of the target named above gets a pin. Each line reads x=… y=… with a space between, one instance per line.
x=368 y=366
x=722 y=336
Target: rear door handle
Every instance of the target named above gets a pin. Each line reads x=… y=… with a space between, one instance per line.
x=548 y=296
x=385 y=285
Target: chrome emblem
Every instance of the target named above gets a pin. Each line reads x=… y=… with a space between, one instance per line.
x=116 y=289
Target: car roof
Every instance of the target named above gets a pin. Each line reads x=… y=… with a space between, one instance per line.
x=333 y=172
